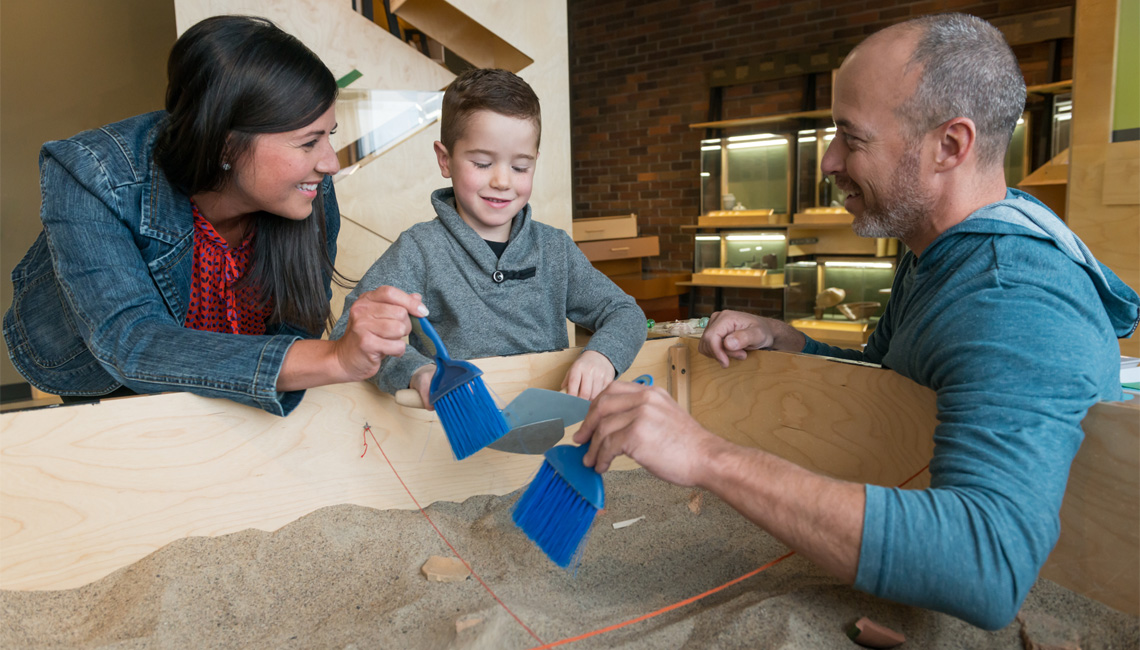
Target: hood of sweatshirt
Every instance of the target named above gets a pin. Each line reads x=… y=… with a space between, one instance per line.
x=1028 y=216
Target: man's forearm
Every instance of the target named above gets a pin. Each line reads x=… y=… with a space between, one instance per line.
x=818 y=517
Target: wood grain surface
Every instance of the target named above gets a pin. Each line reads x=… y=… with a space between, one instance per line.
x=85 y=490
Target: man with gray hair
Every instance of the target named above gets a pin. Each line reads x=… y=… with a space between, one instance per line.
x=997 y=306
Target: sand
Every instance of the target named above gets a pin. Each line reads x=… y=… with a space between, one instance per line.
x=349 y=577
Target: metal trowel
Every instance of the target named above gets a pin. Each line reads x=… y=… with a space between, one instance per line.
x=538 y=418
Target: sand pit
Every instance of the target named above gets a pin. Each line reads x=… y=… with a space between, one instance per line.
x=349 y=577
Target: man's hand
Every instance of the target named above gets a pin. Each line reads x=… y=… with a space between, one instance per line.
x=421 y=383
x=589 y=375
x=377 y=323
x=644 y=423
x=730 y=334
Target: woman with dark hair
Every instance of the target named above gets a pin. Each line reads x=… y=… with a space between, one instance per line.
x=192 y=248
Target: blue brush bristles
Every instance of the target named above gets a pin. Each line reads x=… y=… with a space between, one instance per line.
x=555 y=516
x=469 y=415
x=559 y=506
x=470 y=418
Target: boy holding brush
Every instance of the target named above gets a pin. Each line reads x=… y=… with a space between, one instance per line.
x=496 y=281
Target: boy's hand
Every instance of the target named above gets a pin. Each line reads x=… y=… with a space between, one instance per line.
x=589 y=375
x=421 y=383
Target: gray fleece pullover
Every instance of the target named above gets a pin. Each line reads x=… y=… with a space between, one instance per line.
x=544 y=279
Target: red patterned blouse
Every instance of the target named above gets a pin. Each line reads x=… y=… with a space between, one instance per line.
x=214 y=305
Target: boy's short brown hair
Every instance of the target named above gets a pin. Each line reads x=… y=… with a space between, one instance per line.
x=500 y=91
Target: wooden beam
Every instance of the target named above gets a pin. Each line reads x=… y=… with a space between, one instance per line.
x=1054 y=88
x=460 y=33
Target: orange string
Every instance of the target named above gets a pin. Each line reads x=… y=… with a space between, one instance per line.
x=692 y=599
x=445 y=541
x=668 y=608
x=615 y=626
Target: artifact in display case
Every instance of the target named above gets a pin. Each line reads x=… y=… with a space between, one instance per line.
x=741 y=259
x=838 y=300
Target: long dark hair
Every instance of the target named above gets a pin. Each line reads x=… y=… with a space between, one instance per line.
x=231 y=78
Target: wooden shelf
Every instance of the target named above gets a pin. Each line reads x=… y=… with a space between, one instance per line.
x=823 y=113
x=744 y=221
x=1054 y=88
x=767 y=226
x=725 y=281
x=767 y=119
x=779 y=287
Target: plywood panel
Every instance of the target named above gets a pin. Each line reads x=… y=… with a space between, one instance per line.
x=458 y=32
x=1122 y=174
x=344 y=39
x=850 y=422
x=875 y=426
x=1110 y=229
x=88 y=489
x=357 y=249
x=1097 y=554
x=393 y=192
x=395 y=195
x=540 y=30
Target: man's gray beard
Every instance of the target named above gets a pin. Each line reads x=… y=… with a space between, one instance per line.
x=900 y=212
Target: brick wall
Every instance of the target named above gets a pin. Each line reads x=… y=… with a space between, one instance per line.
x=639 y=76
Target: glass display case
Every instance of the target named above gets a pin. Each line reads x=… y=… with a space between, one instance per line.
x=844 y=289
x=755 y=249
x=706 y=253
x=1017 y=155
x=370 y=122
x=745 y=172
x=1062 y=116
x=740 y=258
x=814 y=188
x=741 y=249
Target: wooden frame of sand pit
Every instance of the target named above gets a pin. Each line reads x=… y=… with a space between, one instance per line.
x=88 y=489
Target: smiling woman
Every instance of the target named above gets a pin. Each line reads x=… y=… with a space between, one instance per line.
x=192 y=248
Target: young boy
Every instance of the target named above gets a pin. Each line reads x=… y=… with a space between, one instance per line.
x=496 y=281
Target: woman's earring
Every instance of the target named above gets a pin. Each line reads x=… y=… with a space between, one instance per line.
x=225 y=166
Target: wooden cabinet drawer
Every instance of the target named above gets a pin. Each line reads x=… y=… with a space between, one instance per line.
x=595 y=228
x=648 y=286
x=616 y=249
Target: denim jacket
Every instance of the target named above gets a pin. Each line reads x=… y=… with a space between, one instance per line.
x=101 y=297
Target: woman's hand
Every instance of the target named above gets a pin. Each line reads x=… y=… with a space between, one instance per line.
x=589 y=375
x=377 y=323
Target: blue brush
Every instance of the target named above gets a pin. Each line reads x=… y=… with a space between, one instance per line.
x=559 y=506
x=469 y=415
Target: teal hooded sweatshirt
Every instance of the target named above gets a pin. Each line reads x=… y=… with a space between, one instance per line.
x=1014 y=325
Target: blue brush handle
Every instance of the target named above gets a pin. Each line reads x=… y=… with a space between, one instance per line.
x=567 y=461
x=440 y=350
